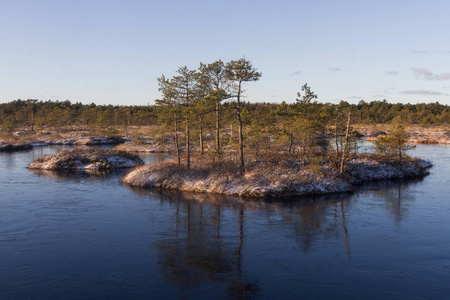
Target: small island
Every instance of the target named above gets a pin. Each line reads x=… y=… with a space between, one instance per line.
x=277 y=172
x=86 y=159
x=268 y=178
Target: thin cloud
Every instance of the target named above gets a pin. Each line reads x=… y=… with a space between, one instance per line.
x=354 y=97
x=334 y=69
x=428 y=75
x=379 y=96
x=443 y=76
x=421 y=52
x=296 y=73
x=422 y=72
x=420 y=92
x=393 y=73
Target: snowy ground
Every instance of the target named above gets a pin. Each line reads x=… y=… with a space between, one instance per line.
x=86 y=159
x=263 y=181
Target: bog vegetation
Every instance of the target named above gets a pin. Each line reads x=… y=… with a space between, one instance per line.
x=204 y=111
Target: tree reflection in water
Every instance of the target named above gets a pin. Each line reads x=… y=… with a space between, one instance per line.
x=198 y=254
x=395 y=195
x=75 y=175
x=208 y=236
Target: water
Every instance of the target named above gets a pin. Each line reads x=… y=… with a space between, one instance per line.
x=87 y=236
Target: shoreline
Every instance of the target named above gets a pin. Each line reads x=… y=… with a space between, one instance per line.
x=86 y=159
x=273 y=182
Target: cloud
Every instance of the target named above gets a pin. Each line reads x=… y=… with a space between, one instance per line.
x=428 y=75
x=393 y=73
x=296 y=73
x=421 y=52
x=273 y=96
x=420 y=92
x=379 y=96
x=422 y=72
x=334 y=69
x=355 y=97
x=443 y=76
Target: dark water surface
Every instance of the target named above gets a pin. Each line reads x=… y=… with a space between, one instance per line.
x=86 y=236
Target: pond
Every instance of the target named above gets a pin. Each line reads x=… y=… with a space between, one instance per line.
x=87 y=236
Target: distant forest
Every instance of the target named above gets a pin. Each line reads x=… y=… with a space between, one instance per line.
x=43 y=115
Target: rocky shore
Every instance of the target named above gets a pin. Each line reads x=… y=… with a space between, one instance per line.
x=273 y=180
x=86 y=159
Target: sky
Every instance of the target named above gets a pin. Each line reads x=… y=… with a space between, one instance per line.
x=111 y=52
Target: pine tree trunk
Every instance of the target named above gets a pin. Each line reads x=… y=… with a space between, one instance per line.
x=217 y=127
x=336 y=139
x=291 y=139
x=32 y=120
x=188 y=154
x=176 y=139
x=241 y=136
x=201 y=136
x=346 y=143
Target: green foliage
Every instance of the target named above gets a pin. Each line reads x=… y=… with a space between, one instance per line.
x=308 y=95
x=394 y=145
x=54 y=114
x=9 y=124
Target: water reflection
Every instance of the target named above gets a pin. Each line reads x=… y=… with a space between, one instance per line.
x=74 y=175
x=395 y=193
x=200 y=251
x=107 y=242
x=197 y=253
x=209 y=234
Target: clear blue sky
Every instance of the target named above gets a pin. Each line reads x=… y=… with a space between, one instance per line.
x=111 y=52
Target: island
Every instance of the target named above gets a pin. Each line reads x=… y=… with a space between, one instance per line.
x=86 y=159
x=282 y=177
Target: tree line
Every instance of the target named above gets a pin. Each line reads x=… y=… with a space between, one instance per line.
x=20 y=114
x=208 y=102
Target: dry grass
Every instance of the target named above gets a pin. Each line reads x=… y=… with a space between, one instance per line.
x=86 y=159
x=270 y=175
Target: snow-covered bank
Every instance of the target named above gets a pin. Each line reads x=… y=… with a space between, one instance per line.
x=362 y=170
x=418 y=135
x=86 y=159
x=78 y=141
x=146 y=148
x=157 y=147
x=268 y=180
